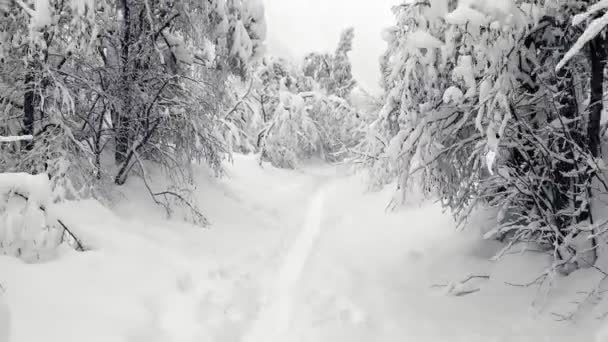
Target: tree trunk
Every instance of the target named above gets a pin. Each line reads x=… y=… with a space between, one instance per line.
x=122 y=124
x=597 y=55
x=29 y=107
x=598 y=63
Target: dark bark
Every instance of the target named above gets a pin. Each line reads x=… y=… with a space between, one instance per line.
x=121 y=177
x=561 y=195
x=29 y=107
x=563 y=185
x=598 y=56
x=122 y=123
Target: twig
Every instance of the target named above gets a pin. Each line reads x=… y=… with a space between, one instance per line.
x=464 y=293
x=462 y=282
x=539 y=279
x=240 y=101
x=196 y=212
x=469 y=278
x=79 y=246
x=121 y=177
x=200 y=217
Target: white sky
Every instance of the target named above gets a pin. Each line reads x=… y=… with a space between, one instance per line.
x=296 y=27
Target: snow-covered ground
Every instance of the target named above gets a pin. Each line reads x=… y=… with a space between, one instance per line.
x=291 y=256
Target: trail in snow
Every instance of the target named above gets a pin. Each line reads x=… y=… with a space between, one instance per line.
x=274 y=320
x=351 y=272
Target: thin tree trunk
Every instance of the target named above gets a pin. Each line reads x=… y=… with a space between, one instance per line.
x=598 y=63
x=122 y=124
x=29 y=107
x=598 y=54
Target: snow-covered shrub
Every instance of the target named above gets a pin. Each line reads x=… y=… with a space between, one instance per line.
x=339 y=124
x=333 y=72
x=294 y=114
x=476 y=111
x=294 y=119
x=299 y=113
x=292 y=135
x=28 y=229
x=57 y=154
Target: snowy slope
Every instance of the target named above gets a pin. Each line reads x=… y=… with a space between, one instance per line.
x=380 y=277
x=304 y=255
x=149 y=279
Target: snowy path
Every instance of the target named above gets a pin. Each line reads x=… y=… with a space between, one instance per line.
x=292 y=257
x=357 y=273
x=274 y=321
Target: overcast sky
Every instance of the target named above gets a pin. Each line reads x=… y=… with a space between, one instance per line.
x=296 y=27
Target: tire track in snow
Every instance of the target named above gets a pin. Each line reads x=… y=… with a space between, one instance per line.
x=274 y=320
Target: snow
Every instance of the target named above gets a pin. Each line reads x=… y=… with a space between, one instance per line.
x=274 y=322
x=532 y=11
x=255 y=9
x=485 y=88
x=453 y=95
x=14 y=138
x=465 y=15
x=594 y=28
x=4 y=319
x=464 y=71
x=483 y=12
x=421 y=39
x=209 y=53
x=41 y=15
x=437 y=9
x=82 y=6
x=389 y=34
x=490 y=159
x=36 y=187
x=133 y=278
x=308 y=254
x=242 y=45
x=598 y=6
x=396 y=144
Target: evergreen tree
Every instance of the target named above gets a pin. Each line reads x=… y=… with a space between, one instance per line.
x=333 y=72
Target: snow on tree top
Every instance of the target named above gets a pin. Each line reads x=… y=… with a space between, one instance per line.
x=453 y=95
x=423 y=40
x=467 y=15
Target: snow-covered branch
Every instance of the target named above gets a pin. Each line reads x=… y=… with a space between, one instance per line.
x=15 y=138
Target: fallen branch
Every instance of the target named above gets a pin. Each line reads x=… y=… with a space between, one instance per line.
x=469 y=278
x=462 y=292
x=538 y=280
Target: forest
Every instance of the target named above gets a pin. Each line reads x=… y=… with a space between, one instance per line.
x=165 y=177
